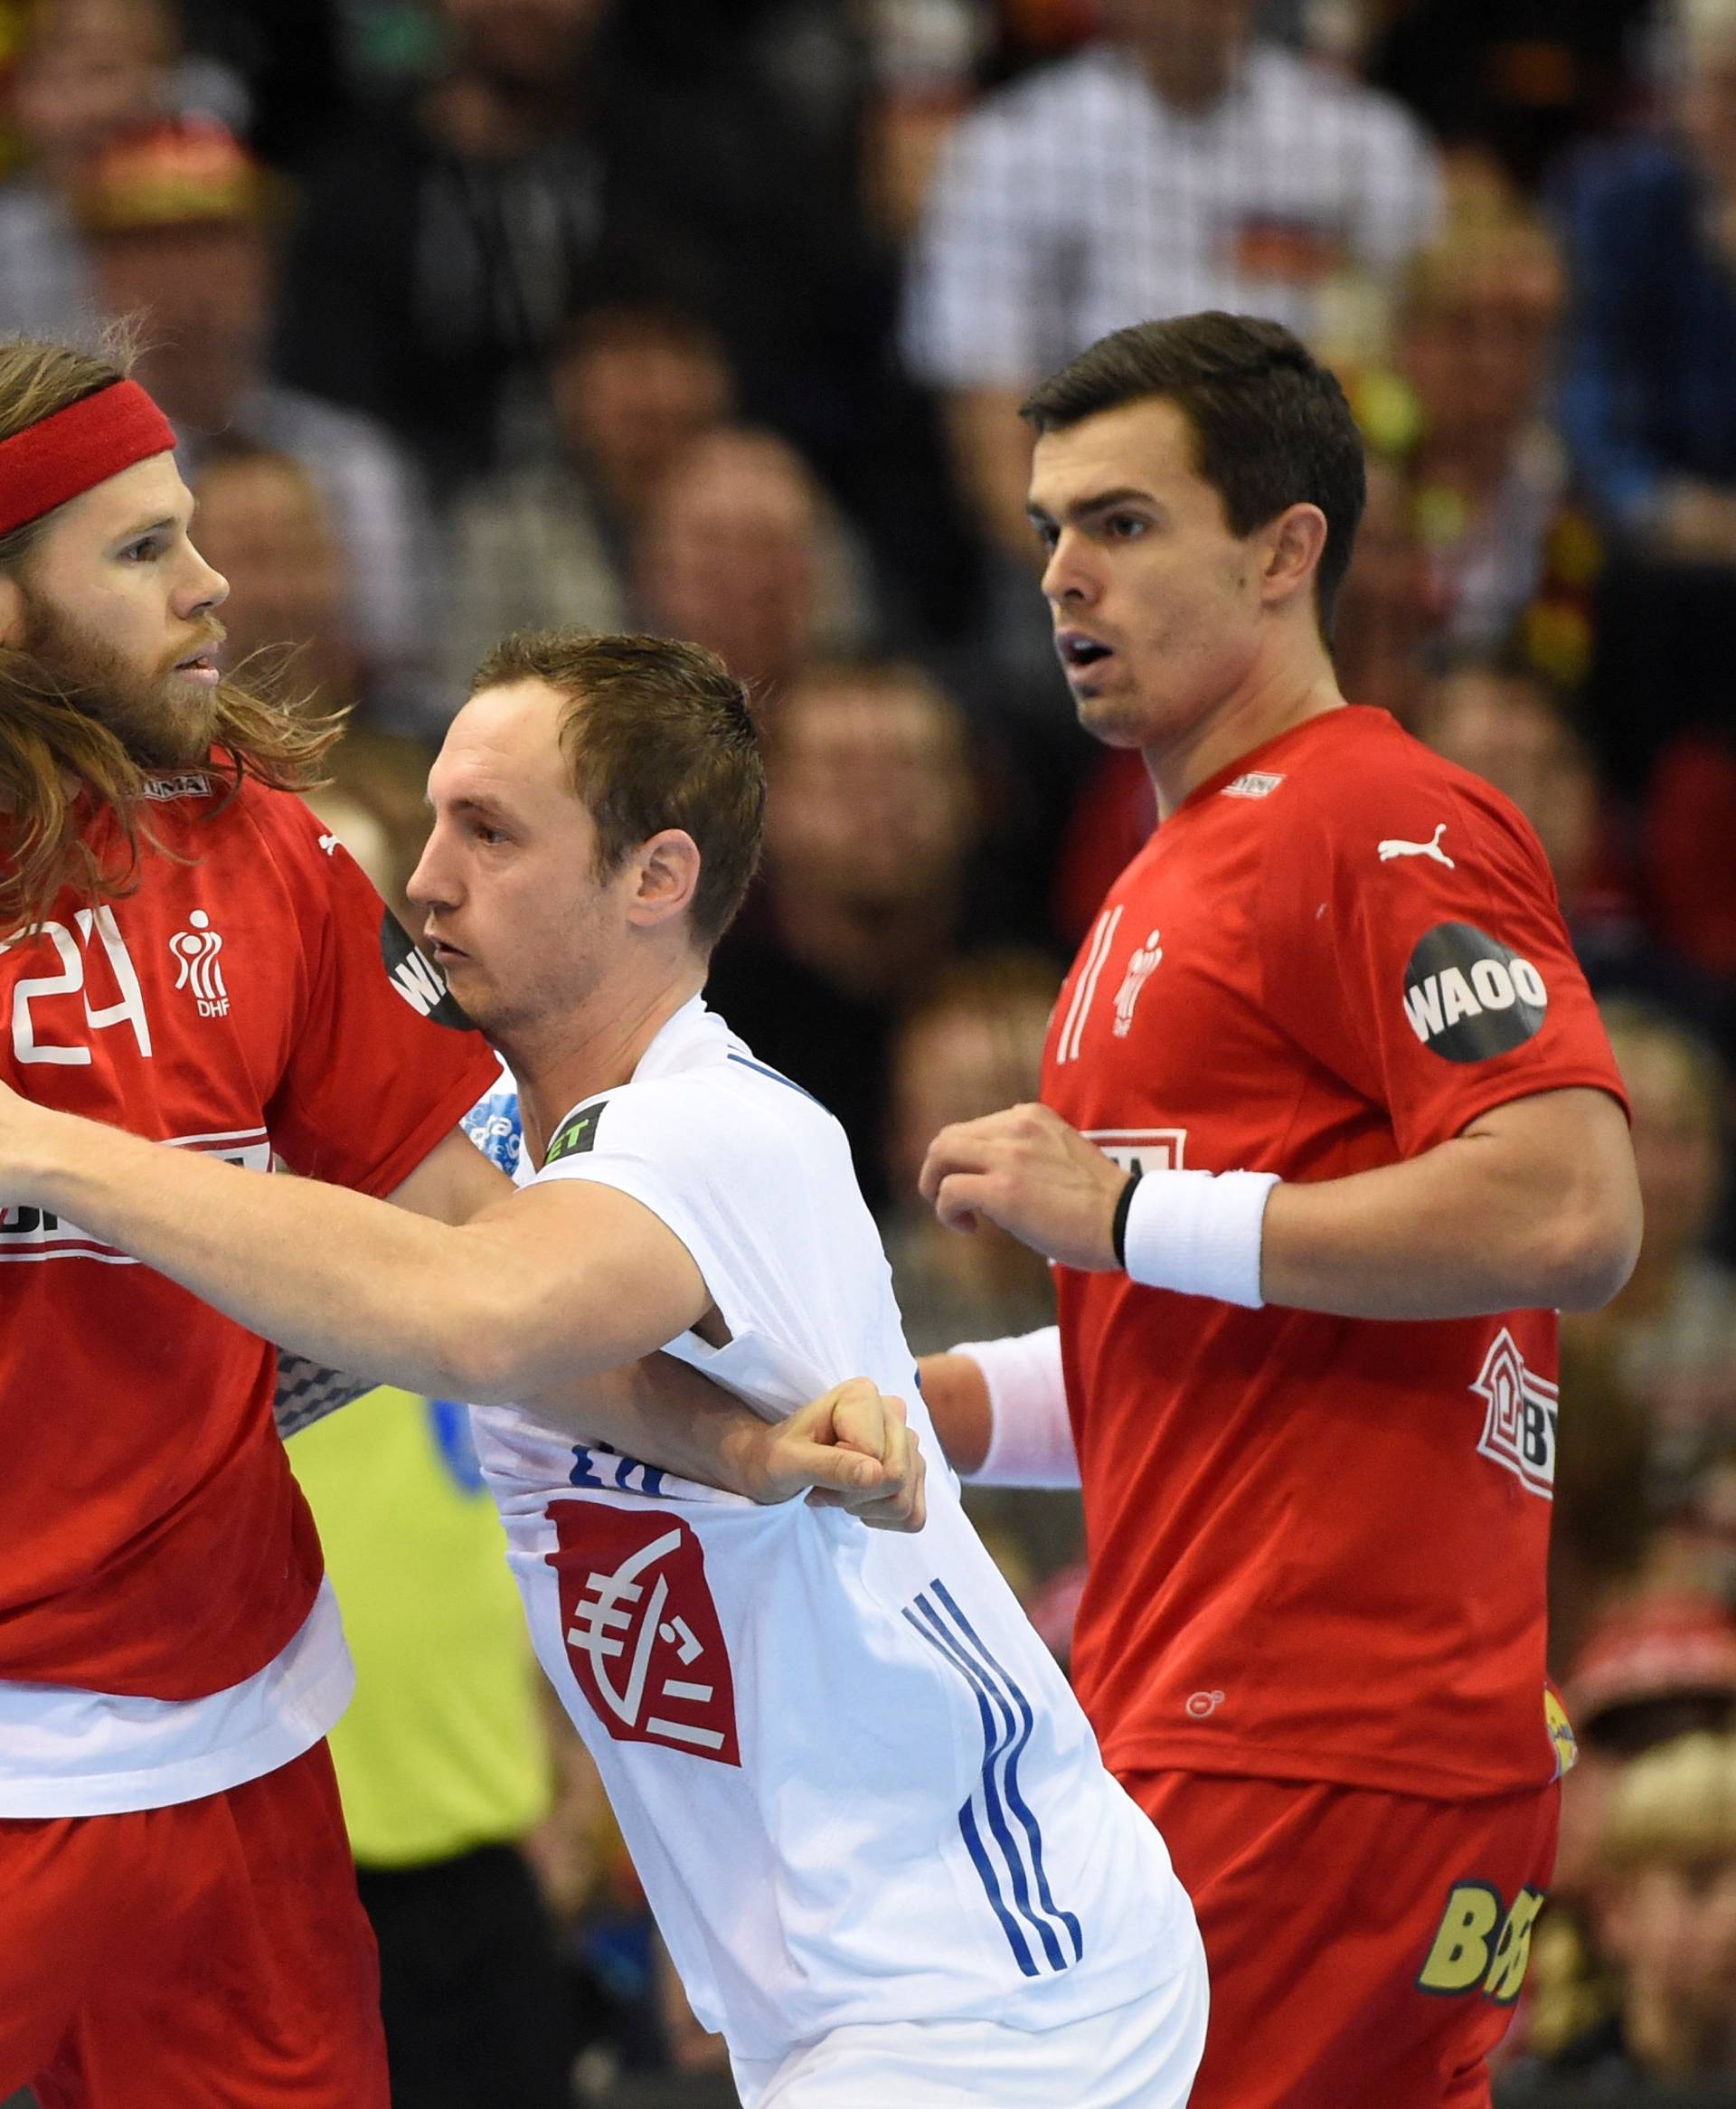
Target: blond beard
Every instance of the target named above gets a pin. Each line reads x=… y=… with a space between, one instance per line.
x=162 y=723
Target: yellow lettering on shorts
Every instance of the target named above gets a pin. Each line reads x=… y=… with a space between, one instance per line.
x=1513 y=1950
x=1460 y=1957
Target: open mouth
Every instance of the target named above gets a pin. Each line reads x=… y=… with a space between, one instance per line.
x=1078 y=650
x=199 y=665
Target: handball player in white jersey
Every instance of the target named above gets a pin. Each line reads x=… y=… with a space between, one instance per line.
x=869 y=1815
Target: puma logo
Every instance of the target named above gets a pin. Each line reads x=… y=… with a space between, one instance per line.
x=1388 y=850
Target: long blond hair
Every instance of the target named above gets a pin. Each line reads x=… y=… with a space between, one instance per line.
x=73 y=802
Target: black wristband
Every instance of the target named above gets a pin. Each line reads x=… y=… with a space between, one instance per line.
x=1119 y=1224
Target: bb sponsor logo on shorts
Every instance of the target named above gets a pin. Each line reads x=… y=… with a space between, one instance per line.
x=1481 y=1944
x=1142 y=1149
x=641 y=1628
x=1519 y=1424
x=1468 y=998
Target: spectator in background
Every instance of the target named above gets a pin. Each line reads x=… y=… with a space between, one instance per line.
x=738 y=549
x=1505 y=720
x=1653 y=1669
x=1179 y=163
x=1672 y=1330
x=180 y=222
x=86 y=71
x=872 y=817
x=1390 y=610
x=548 y=541
x=436 y=307
x=1650 y=417
x=1667 y=1918
x=1485 y=475
x=290 y=585
x=970 y=1042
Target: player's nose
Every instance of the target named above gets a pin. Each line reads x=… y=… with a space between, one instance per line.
x=1066 y=577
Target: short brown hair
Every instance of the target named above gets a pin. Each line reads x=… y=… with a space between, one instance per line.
x=656 y=733
x=1271 y=427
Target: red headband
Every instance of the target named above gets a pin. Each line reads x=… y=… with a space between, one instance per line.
x=77 y=448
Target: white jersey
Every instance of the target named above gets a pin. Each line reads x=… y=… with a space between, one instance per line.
x=856 y=1787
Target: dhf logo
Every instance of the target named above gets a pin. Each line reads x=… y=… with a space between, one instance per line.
x=195 y=953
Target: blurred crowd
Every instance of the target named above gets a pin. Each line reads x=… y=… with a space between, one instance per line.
x=711 y=317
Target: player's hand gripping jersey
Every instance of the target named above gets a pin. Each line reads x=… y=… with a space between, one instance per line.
x=855 y=1783
x=1318 y=1544
x=242 y=1001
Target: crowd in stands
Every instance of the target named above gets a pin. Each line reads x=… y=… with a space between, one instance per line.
x=711 y=317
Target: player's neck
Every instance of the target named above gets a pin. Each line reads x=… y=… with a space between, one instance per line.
x=1272 y=701
x=594 y=1048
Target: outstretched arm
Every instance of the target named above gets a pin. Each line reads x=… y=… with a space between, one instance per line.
x=551 y=1286
x=1536 y=1203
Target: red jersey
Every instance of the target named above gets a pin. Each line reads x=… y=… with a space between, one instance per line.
x=1318 y=1544
x=245 y=1001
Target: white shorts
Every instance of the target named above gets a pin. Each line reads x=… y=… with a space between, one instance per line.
x=1140 y=2055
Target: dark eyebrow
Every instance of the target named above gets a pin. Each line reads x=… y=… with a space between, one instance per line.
x=485 y=807
x=1098 y=502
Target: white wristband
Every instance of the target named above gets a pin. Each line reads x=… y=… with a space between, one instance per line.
x=1199 y=1233
x=1030 y=1437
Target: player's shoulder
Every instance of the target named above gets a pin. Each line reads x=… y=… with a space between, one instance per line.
x=1361 y=777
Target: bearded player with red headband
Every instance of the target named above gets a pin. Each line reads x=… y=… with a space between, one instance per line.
x=1329 y=1129
x=185 y=953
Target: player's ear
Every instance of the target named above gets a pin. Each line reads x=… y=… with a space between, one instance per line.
x=1295 y=543
x=667 y=875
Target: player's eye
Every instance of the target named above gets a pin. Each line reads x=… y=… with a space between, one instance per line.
x=1124 y=527
x=147 y=549
x=488 y=836
x=1047 y=534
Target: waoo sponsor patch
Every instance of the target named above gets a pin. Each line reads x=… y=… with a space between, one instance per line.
x=1469 y=998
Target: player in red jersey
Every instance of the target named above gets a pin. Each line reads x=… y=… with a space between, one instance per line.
x=1328 y=1131
x=185 y=953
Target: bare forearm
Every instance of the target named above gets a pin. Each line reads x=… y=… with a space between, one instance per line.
x=956 y=1397
x=1466 y=1228
x=665 y=1413
x=343 y=1280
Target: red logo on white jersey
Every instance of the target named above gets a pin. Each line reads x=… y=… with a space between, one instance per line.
x=641 y=1629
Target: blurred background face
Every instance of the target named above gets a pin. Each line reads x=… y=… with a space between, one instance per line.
x=726 y=555
x=1204 y=30
x=91 y=68
x=632 y=394
x=1676 y=1927
x=523 y=44
x=1386 y=611
x=1502 y=728
x=957 y=1062
x=872 y=800
x=265 y=520
x=1677 y=1145
x=1476 y=337
x=205 y=291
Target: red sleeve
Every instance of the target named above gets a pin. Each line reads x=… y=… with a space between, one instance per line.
x=382 y=1063
x=1412 y=941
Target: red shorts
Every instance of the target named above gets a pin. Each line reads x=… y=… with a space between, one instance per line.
x=212 y=1953
x=1365 y=1950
